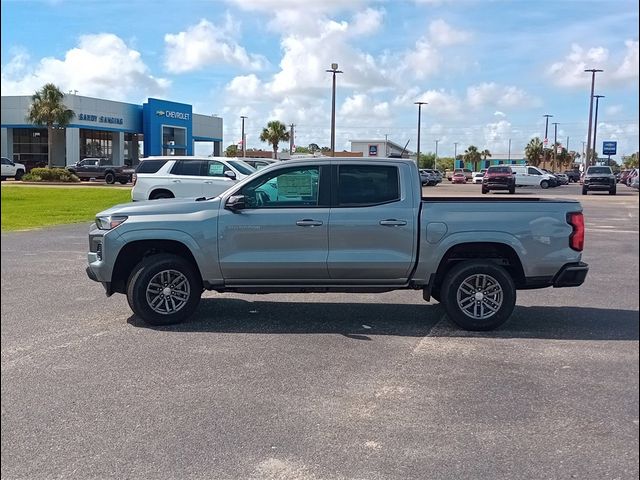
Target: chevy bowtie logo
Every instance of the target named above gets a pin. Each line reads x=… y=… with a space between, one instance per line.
x=160 y=113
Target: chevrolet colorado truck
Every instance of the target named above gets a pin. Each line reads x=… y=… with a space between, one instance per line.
x=337 y=225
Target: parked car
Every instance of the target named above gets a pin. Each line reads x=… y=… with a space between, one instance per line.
x=634 y=174
x=427 y=178
x=563 y=179
x=634 y=182
x=528 y=176
x=499 y=177
x=599 y=178
x=459 y=177
x=101 y=168
x=258 y=163
x=477 y=177
x=553 y=180
x=624 y=174
x=184 y=177
x=435 y=173
x=345 y=225
x=12 y=169
x=574 y=175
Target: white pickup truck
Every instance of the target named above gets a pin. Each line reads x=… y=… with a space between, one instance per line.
x=337 y=225
x=12 y=169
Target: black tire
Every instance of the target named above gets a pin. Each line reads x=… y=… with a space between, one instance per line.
x=174 y=273
x=498 y=295
x=110 y=178
x=584 y=190
x=161 y=194
x=485 y=190
x=512 y=190
x=19 y=175
x=544 y=184
x=612 y=191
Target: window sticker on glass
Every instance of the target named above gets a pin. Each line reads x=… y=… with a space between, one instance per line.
x=294 y=185
x=216 y=169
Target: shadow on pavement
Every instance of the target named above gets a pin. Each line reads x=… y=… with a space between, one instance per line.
x=360 y=321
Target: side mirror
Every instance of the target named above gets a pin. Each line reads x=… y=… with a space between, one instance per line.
x=230 y=174
x=235 y=203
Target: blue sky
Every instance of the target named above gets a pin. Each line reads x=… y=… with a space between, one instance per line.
x=489 y=70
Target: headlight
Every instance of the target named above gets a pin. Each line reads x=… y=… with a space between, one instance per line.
x=110 y=221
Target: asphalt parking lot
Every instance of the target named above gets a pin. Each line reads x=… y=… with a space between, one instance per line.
x=321 y=386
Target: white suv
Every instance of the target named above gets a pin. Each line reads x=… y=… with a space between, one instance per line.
x=186 y=177
x=12 y=169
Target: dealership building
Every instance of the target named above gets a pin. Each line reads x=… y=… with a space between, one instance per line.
x=107 y=129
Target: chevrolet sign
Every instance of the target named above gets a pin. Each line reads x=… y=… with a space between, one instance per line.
x=172 y=114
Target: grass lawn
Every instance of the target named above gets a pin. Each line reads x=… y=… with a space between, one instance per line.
x=25 y=208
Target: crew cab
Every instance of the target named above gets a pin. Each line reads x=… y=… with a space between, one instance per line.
x=337 y=225
x=599 y=178
x=101 y=168
x=499 y=177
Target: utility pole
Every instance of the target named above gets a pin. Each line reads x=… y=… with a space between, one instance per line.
x=291 y=141
x=555 y=145
x=593 y=82
x=435 y=161
x=244 y=147
x=334 y=70
x=455 y=153
x=595 y=126
x=546 y=138
x=419 y=115
x=509 y=154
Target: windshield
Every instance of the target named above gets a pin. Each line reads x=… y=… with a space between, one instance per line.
x=242 y=167
x=598 y=170
x=499 y=170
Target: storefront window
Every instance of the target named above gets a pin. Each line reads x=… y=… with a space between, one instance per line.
x=174 y=141
x=30 y=147
x=96 y=143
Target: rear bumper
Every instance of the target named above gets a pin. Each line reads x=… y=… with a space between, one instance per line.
x=571 y=275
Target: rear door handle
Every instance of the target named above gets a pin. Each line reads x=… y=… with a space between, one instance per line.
x=393 y=222
x=307 y=222
x=176 y=181
x=208 y=181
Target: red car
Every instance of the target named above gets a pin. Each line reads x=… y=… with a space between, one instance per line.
x=500 y=177
x=459 y=178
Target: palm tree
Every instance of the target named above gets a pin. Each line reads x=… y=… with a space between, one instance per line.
x=275 y=132
x=472 y=155
x=47 y=109
x=533 y=151
x=485 y=153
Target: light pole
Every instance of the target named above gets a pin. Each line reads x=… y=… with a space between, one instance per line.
x=244 y=149
x=555 y=145
x=509 y=154
x=595 y=125
x=419 y=116
x=435 y=161
x=455 y=154
x=546 y=131
x=593 y=81
x=334 y=70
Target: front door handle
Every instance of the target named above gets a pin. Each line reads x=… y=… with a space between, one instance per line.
x=176 y=181
x=393 y=222
x=208 y=181
x=307 y=222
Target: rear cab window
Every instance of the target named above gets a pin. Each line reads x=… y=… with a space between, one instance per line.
x=150 y=166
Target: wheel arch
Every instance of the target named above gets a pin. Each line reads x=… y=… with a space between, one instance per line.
x=497 y=253
x=133 y=252
x=153 y=193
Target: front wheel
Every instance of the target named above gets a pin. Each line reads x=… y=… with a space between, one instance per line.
x=544 y=184
x=584 y=190
x=478 y=295
x=512 y=190
x=19 y=175
x=164 y=289
x=485 y=190
x=612 y=191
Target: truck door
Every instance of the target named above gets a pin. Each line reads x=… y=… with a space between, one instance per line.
x=281 y=234
x=372 y=225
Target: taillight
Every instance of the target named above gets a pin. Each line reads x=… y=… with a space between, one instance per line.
x=576 y=239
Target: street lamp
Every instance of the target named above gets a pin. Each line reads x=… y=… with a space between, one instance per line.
x=435 y=161
x=419 y=116
x=595 y=123
x=455 y=153
x=593 y=81
x=334 y=70
x=244 y=150
x=555 y=145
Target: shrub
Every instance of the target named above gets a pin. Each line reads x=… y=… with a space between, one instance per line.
x=50 y=175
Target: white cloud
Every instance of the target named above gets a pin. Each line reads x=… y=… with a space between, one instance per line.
x=498 y=113
x=245 y=87
x=360 y=106
x=441 y=33
x=207 y=44
x=367 y=22
x=499 y=95
x=613 y=110
x=421 y=61
x=440 y=103
x=570 y=72
x=87 y=68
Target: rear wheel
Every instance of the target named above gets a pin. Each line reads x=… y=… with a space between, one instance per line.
x=164 y=289
x=110 y=178
x=612 y=191
x=584 y=190
x=478 y=295
x=512 y=190
x=485 y=190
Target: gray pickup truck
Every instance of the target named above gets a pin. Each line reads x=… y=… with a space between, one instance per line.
x=337 y=225
x=99 y=168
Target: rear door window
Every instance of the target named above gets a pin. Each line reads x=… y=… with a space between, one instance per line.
x=362 y=185
x=150 y=166
x=191 y=168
